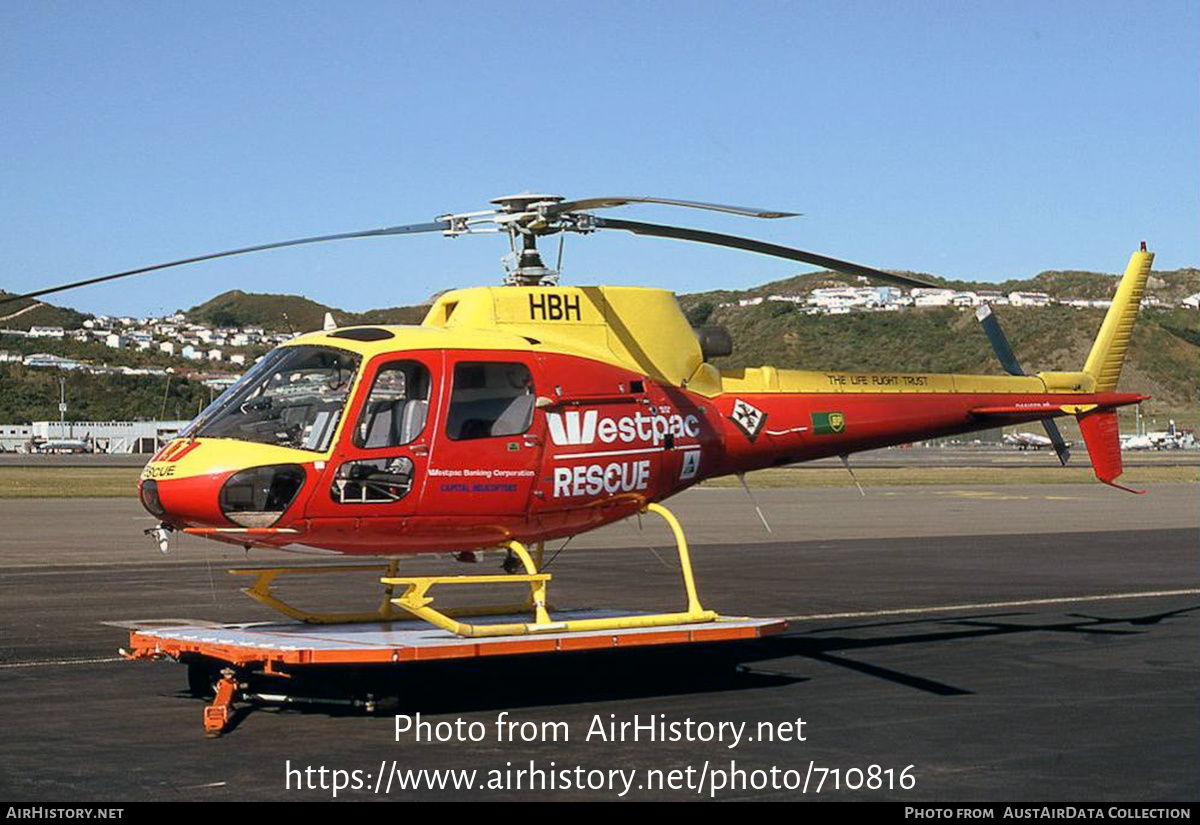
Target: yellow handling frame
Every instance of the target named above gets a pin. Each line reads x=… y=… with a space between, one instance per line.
x=415 y=601
x=265 y=577
x=261 y=592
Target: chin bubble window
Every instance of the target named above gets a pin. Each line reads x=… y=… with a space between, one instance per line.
x=259 y=496
x=489 y=399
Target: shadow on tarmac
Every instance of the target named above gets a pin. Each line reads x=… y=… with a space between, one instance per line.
x=436 y=688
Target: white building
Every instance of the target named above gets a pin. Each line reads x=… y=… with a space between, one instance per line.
x=110 y=436
x=860 y=297
x=45 y=359
x=14 y=437
x=1028 y=299
x=931 y=297
x=46 y=332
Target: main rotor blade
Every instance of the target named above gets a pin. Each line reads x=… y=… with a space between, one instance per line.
x=408 y=229
x=762 y=248
x=622 y=200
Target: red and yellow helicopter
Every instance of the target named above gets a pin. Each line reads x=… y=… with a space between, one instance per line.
x=517 y=414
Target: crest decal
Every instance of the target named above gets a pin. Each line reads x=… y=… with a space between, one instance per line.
x=748 y=418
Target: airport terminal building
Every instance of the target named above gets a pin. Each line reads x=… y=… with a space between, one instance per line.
x=89 y=436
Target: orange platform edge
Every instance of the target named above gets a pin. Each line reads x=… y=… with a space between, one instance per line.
x=147 y=645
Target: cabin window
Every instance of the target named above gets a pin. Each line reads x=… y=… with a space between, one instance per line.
x=490 y=399
x=396 y=408
x=373 y=480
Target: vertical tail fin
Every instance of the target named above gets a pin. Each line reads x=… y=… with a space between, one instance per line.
x=1108 y=353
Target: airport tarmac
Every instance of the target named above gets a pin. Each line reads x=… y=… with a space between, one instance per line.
x=1032 y=643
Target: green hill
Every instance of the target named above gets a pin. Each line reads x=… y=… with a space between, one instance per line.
x=32 y=313
x=1169 y=286
x=289 y=312
x=248 y=309
x=32 y=395
x=1164 y=360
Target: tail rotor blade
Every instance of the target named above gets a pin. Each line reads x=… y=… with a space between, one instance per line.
x=1012 y=366
x=1060 y=445
x=1000 y=345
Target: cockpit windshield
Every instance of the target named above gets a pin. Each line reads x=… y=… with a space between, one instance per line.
x=293 y=397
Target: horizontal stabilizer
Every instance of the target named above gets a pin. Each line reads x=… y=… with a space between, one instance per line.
x=1102 y=436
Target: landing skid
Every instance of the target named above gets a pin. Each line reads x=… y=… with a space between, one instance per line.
x=414 y=600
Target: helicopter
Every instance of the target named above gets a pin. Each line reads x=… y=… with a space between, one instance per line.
x=532 y=411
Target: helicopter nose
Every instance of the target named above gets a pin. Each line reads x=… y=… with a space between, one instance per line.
x=253 y=497
x=183 y=502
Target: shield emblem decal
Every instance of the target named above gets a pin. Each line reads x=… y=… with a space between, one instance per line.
x=828 y=423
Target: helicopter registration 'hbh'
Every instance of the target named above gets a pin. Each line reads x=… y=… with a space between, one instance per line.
x=517 y=414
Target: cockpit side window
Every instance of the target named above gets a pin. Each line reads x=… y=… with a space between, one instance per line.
x=395 y=410
x=490 y=399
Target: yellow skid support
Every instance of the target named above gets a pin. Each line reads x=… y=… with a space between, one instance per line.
x=261 y=592
x=415 y=600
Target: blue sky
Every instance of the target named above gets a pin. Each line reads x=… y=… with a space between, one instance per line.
x=974 y=140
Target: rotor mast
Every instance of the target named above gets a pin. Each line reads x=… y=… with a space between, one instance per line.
x=521 y=217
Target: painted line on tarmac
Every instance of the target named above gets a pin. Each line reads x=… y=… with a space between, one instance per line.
x=61 y=662
x=905 y=611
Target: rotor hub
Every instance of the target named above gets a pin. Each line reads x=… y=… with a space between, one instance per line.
x=525 y=202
